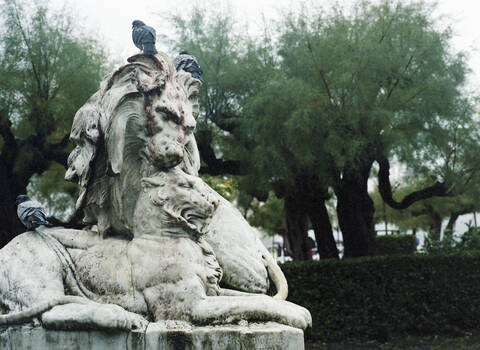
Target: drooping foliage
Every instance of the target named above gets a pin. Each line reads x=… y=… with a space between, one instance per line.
x=336 y=91
x=47 y=71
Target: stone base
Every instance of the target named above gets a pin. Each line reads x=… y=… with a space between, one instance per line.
x=168 y=335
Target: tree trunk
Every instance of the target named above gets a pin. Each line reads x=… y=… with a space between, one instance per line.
x=296 y=237
x=436 y=227
x=10 y=226
x=355 y=213
x=454 y=215
x=435 y=222
x=318 y=214
x=451 y=222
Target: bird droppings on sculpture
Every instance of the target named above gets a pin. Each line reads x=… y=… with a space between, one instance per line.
x=158 y=243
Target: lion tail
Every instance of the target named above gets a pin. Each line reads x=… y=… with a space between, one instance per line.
x=275 y=274
x=36 y=310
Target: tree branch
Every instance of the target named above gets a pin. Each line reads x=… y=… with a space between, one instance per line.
x=439 y=189
x=226 y=122
x=6 y=132
x=214 y=166
x=29 y=49
x=397 y=81
x=322 y=76
x=56 y=152
x=221 y=167
x=455 y=214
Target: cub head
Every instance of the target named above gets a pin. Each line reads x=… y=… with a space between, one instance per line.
x=181 y=204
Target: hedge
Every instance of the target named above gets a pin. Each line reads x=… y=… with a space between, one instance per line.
x=395 y=244
x=379 y=296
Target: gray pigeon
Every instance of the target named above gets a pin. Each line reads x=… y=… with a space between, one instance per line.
x=30 y=212
x=144 y=37
x=188 y=63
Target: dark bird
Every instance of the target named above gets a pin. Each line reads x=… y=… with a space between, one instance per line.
x=144 y=37
x=30 y=212
x=188 y=63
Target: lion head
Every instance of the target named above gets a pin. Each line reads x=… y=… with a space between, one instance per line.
x=138 y=123
x=176 y=203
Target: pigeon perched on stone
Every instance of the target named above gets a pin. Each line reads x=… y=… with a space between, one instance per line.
x=30 y=212
x=144 y=37
x=188 y=63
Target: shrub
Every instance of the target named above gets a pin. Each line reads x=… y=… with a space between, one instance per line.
x=395 y=244
x=378 y=296
x=453 y=243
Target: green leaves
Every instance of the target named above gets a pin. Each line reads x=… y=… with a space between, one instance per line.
x=51 y=69
x=47 y=71
x=333 y=92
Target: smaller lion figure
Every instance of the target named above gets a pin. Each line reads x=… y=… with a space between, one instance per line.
x=168 y=271
x=182 y=281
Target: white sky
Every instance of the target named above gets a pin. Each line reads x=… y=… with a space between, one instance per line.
x=111 y=20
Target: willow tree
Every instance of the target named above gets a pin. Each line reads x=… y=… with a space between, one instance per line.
x=47 y=71
x=380 y=82
x=310 y=111
x=236 y=67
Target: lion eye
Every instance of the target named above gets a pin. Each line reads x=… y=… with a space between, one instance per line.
x=167 y=116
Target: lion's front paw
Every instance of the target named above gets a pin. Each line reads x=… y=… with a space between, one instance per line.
x=114 y=316
x=136 y=322
x=297 y=316
x=92 y=316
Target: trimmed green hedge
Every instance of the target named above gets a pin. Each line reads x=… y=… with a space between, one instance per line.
x=378 y=296
x=395 y=244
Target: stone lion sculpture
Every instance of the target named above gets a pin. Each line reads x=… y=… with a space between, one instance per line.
x=163 y=240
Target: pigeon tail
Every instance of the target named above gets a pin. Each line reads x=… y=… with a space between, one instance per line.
x=149 y=49
x=36 y=220
x=196 y=75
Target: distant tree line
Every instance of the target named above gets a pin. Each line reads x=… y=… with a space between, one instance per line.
x=292 y=120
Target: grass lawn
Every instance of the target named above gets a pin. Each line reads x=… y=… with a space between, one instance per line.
x=469 y=341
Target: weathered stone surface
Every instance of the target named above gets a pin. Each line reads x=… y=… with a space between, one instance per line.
x=168 y=335
x=158 y=243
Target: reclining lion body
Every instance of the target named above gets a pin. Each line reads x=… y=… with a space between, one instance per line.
x=167 y=271
x=156 y=254
x=172 y=271
x=142 y=121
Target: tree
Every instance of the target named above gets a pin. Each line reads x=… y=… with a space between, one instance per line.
x=236 y=68
x=316 y=107
x=367 y=87
x=47 y=71
x=430 y=213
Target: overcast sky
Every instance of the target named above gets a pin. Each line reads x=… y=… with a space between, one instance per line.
x=111 y=20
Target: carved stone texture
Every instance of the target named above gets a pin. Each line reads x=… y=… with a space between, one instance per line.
x=162 y=239
x=165 y=335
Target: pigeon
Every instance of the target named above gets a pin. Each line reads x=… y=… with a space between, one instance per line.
x=144 y=37
x=188 y=63
x=30 y=212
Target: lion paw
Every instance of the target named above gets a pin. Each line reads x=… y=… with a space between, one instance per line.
x=114 y=316
x=92 y=316
x=297 y=316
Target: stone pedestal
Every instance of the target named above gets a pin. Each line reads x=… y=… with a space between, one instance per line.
x=168 y=335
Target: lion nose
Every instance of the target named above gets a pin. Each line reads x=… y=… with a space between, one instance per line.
x=215 y=202
x=190 y=123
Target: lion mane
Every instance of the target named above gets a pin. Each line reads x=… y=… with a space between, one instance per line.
x=114 y=133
